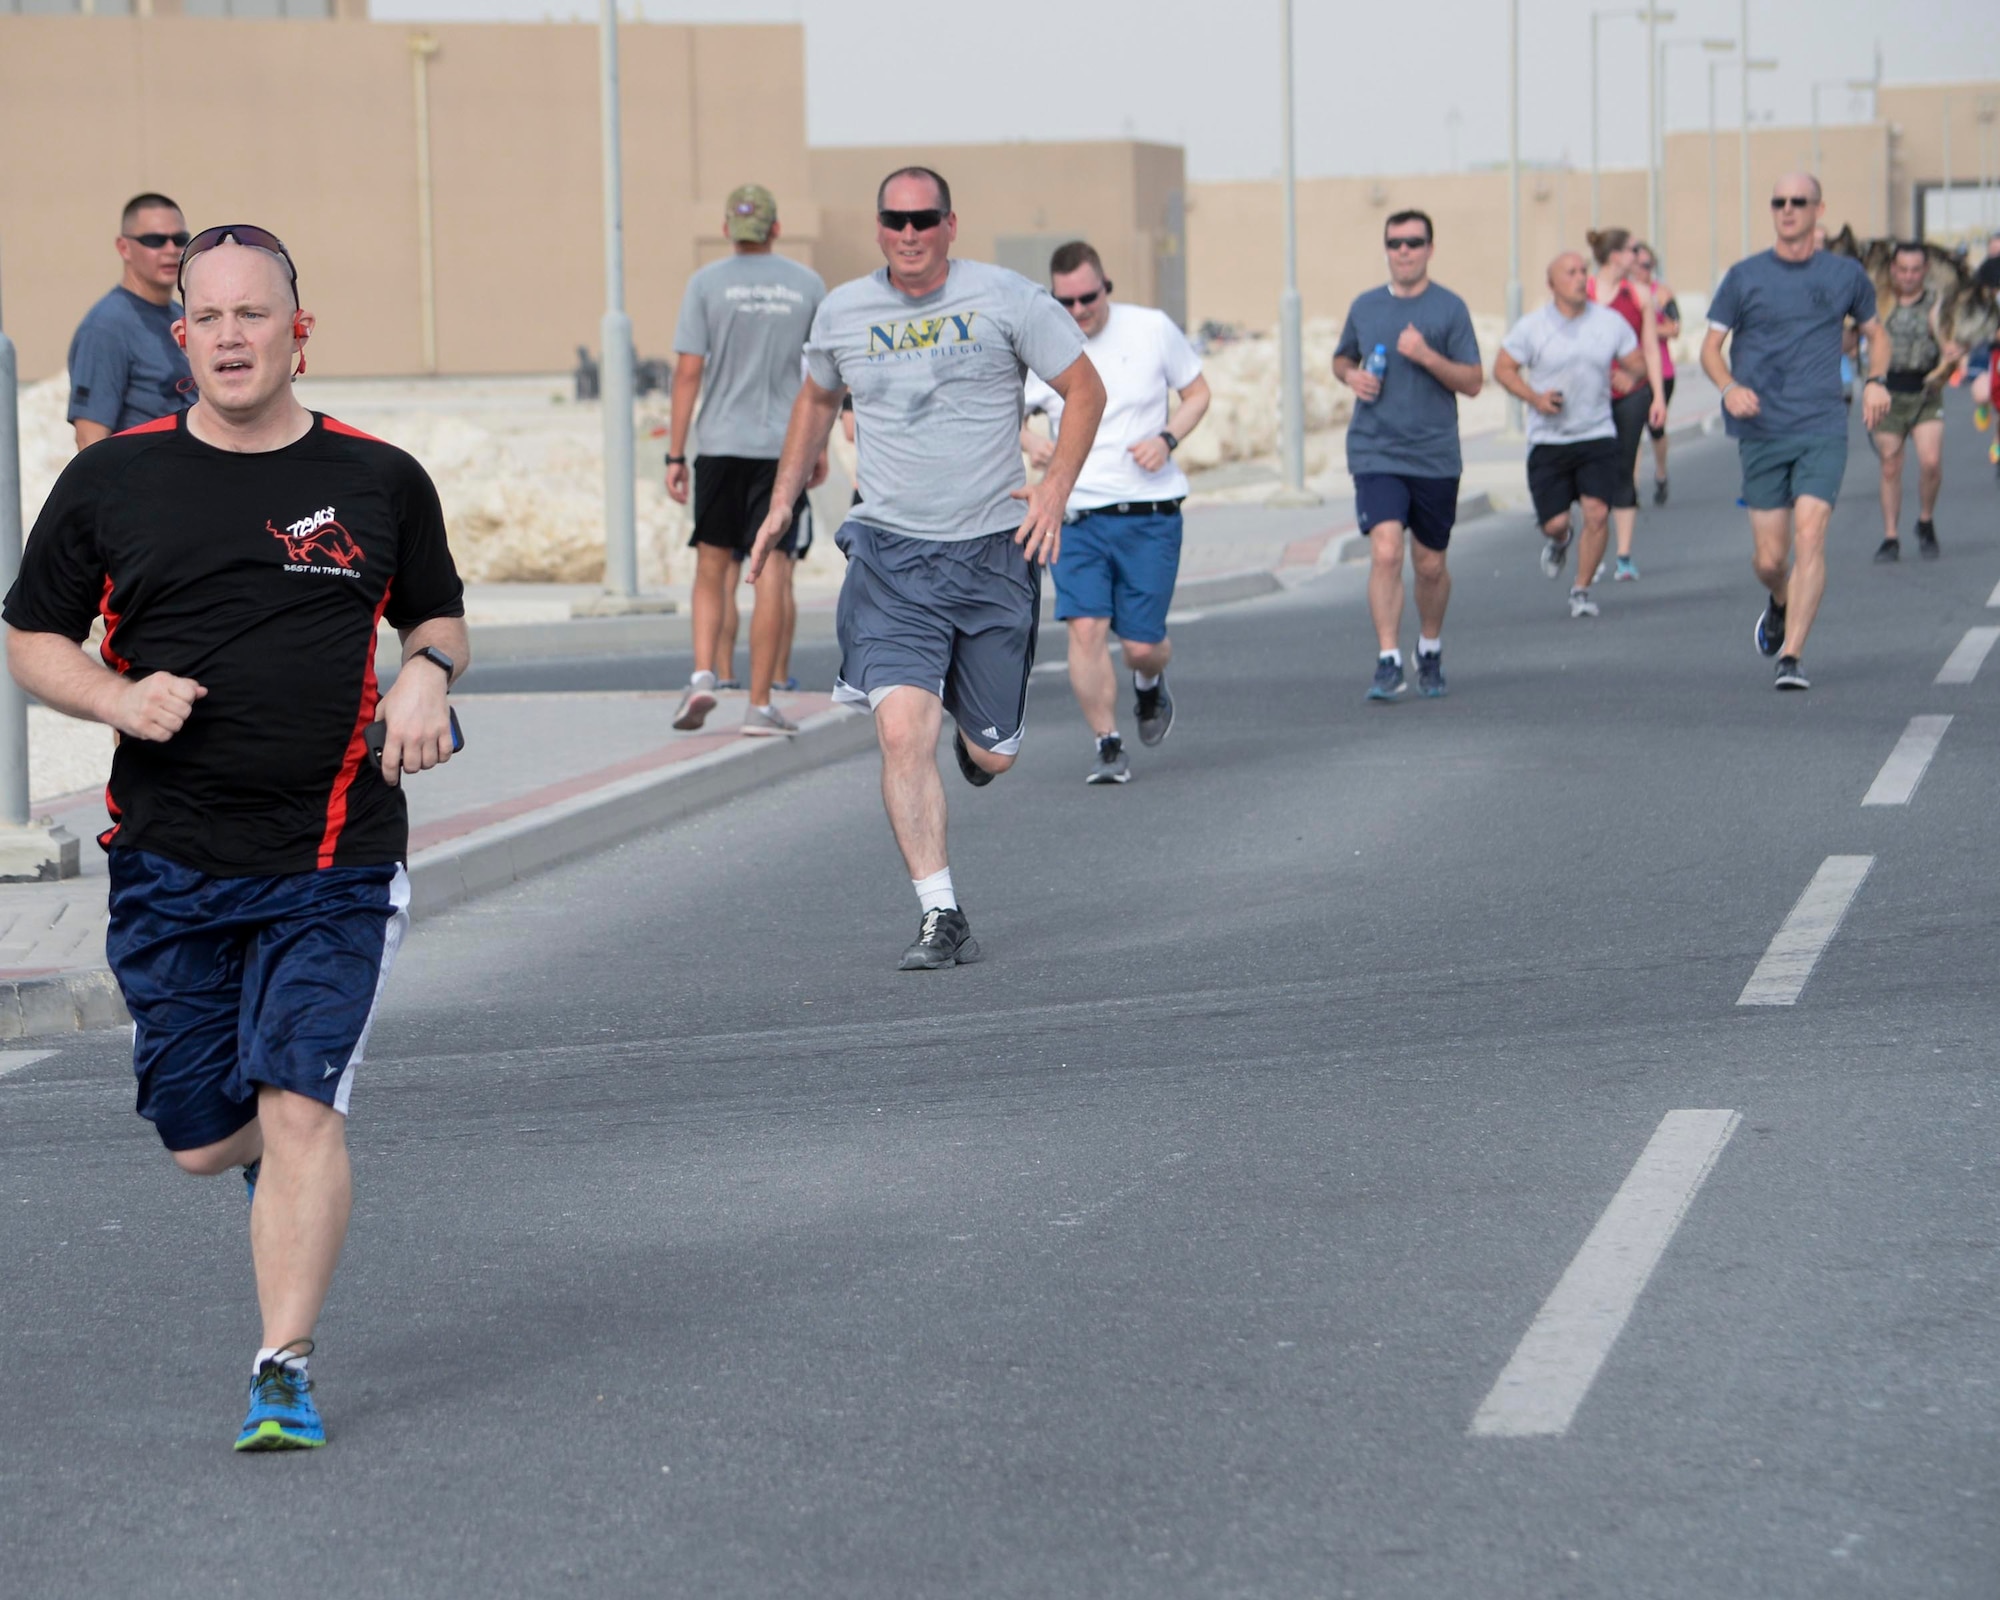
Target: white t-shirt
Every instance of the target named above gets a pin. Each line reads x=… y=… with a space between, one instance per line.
x=1572 y=355
x=1140 y=355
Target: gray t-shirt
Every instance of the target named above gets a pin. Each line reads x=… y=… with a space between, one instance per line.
x=937 y=385
x=124 y=367
x=1785 y=318
x=747 y=316
x=1573 y=356
x=1412 y=427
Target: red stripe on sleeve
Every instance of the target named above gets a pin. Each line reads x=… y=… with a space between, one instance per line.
x=357 y=748
x=166 y=424
x=335 y=425
x=112 y=658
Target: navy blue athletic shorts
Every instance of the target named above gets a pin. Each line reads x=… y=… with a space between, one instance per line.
x=236 y=982
x=1428 y=507
x=1121 y=566
x=955 y=618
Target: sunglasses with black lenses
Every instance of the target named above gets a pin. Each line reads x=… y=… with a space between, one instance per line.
x=1797 y=202
x=159 y=241
x=1404 y=242
x=1070 y=301
x=243 y=233
x=897 y=221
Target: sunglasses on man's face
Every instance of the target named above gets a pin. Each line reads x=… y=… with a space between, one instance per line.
x=1403 y=242
x=1069 y=302
x=897 y=221
x=1797 y=202
x=158 y=241
x=245 y=234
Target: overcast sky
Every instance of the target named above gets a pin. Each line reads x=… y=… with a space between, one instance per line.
x=1381 y=88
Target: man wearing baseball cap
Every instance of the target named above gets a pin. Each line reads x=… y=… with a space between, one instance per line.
x=742 y=334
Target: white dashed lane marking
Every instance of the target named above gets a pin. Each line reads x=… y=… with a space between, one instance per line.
x=1797 y=946
x=14 y=1060
x=1559 y=1357
x=1963 y=664
x=1897 y=782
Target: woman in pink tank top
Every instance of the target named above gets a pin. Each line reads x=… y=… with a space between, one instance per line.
x=1667 y=314
x=1636 y=404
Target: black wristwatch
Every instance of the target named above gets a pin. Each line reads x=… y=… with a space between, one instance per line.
x=1874 y=378
x=677 y=461
x=1173 y=444
x=436 y=657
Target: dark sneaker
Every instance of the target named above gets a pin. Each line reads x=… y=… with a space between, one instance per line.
x=1660 y=492
x=944 y=939
x=1770 y=630
x=1927 y=545
x=1791 y=675
x=1112 y=767
x=694 y=709
x=282 y=1414
x=1430 y=675
x=1889 y=550
x=1554 y=553
x=1153 y=710
x=977 y=776
x=250 y=1178
x=1389 y=681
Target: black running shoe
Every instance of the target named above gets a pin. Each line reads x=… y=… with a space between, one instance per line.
x=1770 y=631
x=1660 y=492
x=944 y=939
x=975 y=775
x=1430 y=674
x=1153 y=709
x=1927 y=545
x=1889 y=550
x=1791 y=675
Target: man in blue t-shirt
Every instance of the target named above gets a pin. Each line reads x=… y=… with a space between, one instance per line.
x=124 y=365
x=1402 y=444
x=1784 y=313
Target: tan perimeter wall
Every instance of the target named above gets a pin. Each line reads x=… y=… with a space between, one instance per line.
x=1919 y=118
x=1015 y=202
x=309 y=128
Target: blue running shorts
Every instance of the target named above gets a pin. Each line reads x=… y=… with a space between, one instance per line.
x=236 y=982
x=955 y=618
x=1778 y=472
x=1122 y=566
x=1428 y=507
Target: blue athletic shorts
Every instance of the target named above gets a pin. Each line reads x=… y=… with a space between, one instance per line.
x=236 y=982
x=1428 y=507
x=955 y=618
x=1121 y=566
x=1777 y=472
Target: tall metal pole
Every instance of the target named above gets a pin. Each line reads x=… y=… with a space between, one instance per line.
x=1946 y=210
x=1290 y=322
x=1714 y=258
x=1515 y=415
x=621 y=537
x=1596 y=220
x=1743 y=150
x=1653 y=125
x=1815 y=130
x=13 y=700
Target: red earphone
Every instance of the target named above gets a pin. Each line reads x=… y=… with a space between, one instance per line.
x=300 y=332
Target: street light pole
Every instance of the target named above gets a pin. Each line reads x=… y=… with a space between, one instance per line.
x=1653 y=125
x=1515 y=415
x=1714 y=226
x=1596 y=220
x=1291 y=354
x=621 y=541
x=1743 y=150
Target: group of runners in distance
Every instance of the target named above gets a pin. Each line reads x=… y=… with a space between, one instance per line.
x=241 y=551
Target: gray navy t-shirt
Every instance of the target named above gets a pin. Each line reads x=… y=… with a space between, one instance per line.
x=1412 y=427
x=937 y=385
x=1571 y=356
x=1785 y=319
x=124 y=367
x=748 y=317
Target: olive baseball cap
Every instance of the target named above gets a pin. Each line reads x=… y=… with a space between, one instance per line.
x=753 y=213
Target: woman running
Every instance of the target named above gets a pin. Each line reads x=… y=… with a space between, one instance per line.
x=1635 y=405
x=1667 y=311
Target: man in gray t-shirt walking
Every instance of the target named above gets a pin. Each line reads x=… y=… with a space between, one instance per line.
x=943 y=590
x=125 y=366
x=744 y=320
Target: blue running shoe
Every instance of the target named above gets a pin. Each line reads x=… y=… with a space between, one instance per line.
x=282 y=1414
x=1430 y=674
x=1389 y=681
x=1626 y=570
x=1770 y=629
x=250 y=1177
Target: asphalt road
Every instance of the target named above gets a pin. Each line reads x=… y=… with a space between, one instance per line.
x=1173 y=1249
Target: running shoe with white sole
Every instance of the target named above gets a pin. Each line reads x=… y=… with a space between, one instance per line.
x=282 y=1414
x=1791 y=675
x=1554 y=553
x=1580 y=603
x=1430 y=674
x=694 y=709
x=944 y=939
x=1112 y=767
x=975 y=774
x=1389 y=681
x=768 y=722
x=1627 y=571
x=1153 y=710
x=1769 y=633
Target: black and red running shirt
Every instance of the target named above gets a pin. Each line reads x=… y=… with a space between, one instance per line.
x=262 y=577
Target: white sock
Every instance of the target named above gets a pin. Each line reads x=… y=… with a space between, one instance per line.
x=296 y=1363
x=702 y=680
x=1141 y=681
x=1393 y=655
x=1429 y=647
x=935 y=893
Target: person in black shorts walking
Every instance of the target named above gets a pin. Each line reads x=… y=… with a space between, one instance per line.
x=241 y=554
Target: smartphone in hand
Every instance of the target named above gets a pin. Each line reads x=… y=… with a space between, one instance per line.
x=377 y=735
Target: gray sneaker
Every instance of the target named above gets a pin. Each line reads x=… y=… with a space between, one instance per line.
x=1154 y=709
x=1554 y=553
x=1580 y=603
x=1112 y=767
x=694 y=709
x=767 y=722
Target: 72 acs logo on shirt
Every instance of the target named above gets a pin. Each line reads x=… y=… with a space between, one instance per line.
x=309 y=538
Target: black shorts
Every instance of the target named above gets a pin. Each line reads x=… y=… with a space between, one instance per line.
x=1561 y=474
x=732 y=494
x=1628 y=415
x=1427 y=507
x=1666 y=397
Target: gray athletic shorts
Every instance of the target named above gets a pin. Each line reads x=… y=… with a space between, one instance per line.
x=957 y=620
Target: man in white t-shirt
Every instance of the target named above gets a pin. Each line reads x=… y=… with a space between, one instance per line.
x=1121 y=548
x=1559 y=361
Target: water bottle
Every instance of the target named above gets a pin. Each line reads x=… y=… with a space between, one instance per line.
x=1377 y=362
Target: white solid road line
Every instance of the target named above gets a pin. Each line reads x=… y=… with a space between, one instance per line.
x=14 y=1060
x=1963 y=664
x=1904 y=770
x=1993 y=599
x=1796 y=947
x=1559 y=1357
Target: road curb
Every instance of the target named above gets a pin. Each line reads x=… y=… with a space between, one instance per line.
x=61 y=1002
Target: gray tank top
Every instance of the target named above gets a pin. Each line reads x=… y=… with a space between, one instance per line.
x=1912 y=345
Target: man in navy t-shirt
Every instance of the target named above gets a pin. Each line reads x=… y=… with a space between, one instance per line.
x=1402 y=443
x=125 y=367
x=1784 y=313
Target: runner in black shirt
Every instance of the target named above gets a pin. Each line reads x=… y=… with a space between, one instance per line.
x=241 y=554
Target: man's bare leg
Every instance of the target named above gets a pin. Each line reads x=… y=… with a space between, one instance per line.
x=907 y=724
x=782 y=672
x=732 y=616
x=767 y=625
x=714 y=576
x=1091 y=674
x=1433 y=589
x=1590 y=543
x=1928 y=437
x=1385 y=583
x=1889 y=446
